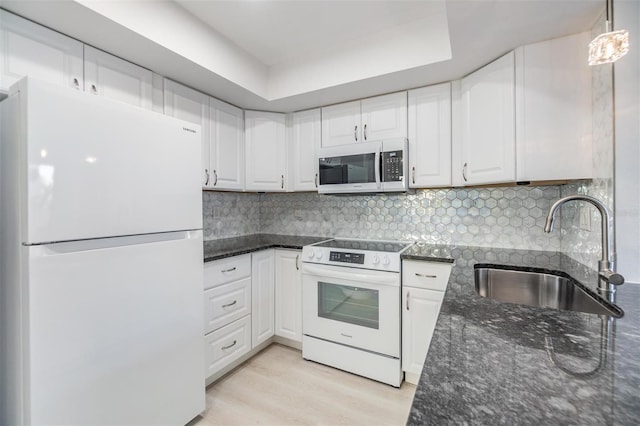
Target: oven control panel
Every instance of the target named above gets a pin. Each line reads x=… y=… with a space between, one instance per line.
x=338 y=256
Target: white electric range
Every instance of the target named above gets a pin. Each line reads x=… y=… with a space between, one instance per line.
x=351 y=306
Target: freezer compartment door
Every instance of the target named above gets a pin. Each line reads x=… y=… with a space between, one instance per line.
x=116 y=332
x=98 y=167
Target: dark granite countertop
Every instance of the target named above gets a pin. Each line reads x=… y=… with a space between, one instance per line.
x=500 y=363
x=227 y=247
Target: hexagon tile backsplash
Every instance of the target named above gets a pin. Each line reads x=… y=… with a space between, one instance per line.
x=510 y=217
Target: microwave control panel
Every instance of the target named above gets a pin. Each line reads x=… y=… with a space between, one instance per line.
x=392 y=168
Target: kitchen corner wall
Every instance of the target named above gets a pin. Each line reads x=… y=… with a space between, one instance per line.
x=581 y=239
x=492 y=217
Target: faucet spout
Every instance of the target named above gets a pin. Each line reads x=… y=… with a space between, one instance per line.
x=606 y=265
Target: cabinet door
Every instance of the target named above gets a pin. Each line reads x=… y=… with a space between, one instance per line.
x=341 y=124
x=265 y=148
x=262 y=296
x=227 y=146
x=303 y=164
x=192 y=106
x=419 y=315
x=288 y=294
x=430 y=136
x=553 y=110
x=107 y=75
x=488 y=124
x=29 y=49
x=384 y=117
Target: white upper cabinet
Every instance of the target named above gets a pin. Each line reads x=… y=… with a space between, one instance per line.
x=382 y=117
x=27 y=48
x=488 y=124
x=192 y=106
x=553 y=110
x=112 y=77
x=341 y=124
x=303 y=146
x=430 y=136
x=266 y=151
x=227 y=158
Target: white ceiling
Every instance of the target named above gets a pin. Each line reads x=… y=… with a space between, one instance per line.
x=288 y=55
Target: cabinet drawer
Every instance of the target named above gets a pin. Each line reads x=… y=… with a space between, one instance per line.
x=428 y=275
x=227 y=344
x=226 y=303
x=226 y=270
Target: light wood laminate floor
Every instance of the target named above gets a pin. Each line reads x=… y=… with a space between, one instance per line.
x=278 y=387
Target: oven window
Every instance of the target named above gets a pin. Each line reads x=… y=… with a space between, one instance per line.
x=353 y=305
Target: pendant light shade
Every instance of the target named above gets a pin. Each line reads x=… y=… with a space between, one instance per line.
x=609 y=46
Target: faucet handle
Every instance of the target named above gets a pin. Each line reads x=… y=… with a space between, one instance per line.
x=611 y=277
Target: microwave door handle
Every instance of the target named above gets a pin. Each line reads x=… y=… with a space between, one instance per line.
x=378 y=167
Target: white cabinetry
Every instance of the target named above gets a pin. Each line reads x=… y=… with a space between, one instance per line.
x=288 y=290
x=430 y=136
x=553 y=110
x=262 y=296
x=112 y=77
x=226 y=153
x=305 y=140
x=423 y=287
x=190 y=105
x=266 y=156
x=227 y=307
x=488 y=124
x=27 y=48
x=370 y=119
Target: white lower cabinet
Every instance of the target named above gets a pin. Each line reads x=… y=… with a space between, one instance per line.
x=227 y=344
x=226 y=303
x=262 y=296
x=423 y=287
x=288 y=319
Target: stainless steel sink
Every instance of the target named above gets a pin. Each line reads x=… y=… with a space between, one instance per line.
x=540 y=289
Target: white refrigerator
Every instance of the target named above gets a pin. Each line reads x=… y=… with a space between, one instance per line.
x=101 y=312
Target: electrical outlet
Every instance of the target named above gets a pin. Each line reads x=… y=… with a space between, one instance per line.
x=215 y=212
x=585 y=219
x=297 y=214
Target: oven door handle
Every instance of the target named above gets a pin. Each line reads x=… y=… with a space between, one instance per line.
x=352 y=274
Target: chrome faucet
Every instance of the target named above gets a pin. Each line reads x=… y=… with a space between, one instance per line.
x=608 y=277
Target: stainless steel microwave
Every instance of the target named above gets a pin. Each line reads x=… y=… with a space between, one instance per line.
x=379 y=166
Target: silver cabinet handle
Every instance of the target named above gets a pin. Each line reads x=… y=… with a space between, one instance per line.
x=230 y=304
x=229 y=270
x=316 y=180
x=76 y=83
x=297 y=258
x=355 y=132
x=94 y=89
x=230 y=346
x=206 y=172
x=365 y=132
x=426 y=276
x=215 y=177
x=281 y=181
x=413 y=174
x=408 y=295
x=464 y=172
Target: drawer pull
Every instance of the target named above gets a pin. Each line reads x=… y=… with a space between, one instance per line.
x=229 y=346
x=229 y=270
x=230 y=304
x=426 y=276
x=408 y=296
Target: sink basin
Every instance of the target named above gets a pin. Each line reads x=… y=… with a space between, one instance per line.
x=540 y=289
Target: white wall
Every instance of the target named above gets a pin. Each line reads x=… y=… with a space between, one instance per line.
x=627 y=143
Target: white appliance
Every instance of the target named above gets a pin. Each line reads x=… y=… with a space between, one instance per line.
x=351 y=306
x=101 y=308
x=379 y=166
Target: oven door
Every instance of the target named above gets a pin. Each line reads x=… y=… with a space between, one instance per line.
x=351 y=306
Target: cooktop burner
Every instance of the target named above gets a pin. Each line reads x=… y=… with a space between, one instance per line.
x=383 y=246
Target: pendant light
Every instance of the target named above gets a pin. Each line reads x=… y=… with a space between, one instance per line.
x=611 y=45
